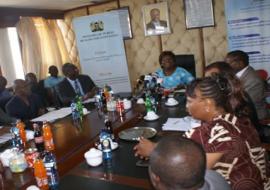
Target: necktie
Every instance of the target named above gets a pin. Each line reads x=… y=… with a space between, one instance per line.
x=77 y=88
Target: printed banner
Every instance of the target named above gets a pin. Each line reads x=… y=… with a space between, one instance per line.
x=248 y=24
x=101 y=50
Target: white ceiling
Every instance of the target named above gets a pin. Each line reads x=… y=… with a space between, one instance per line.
x=47 y=4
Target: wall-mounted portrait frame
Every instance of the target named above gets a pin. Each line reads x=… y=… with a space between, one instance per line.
x=199 y=13
x=156 y=19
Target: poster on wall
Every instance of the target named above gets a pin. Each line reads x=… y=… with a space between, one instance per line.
x=199 y=13
x=156 y=19
x=125 y=24
x=101 y=50
x=248 y=26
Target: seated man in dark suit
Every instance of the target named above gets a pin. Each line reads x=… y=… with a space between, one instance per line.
x=37 y=87
x=24 y=105
x=180 y=163
x=5 y=95
x=74 y=84
x=155 y=22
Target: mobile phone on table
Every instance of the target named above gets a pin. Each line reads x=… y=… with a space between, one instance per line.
x=142 y=163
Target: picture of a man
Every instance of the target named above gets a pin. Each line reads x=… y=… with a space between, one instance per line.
x=156 y=23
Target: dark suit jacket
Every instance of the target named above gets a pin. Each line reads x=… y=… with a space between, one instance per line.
x=66 y=92
x=18 y=109
x=151 y=25
x=255 y=88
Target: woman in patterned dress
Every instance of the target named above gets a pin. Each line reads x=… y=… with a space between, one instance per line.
x=231 y=144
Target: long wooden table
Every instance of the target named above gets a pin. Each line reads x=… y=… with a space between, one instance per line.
x=71 y=144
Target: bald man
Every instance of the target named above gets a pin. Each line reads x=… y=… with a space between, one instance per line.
x=155 y=22
x=180 y=163
x=24 y=104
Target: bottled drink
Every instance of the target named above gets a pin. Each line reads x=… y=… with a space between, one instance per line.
x=20 y=125
x=108 y=125
x=105 y=141
x=47 y=136
x=38 y=138
x=148 y=104
x=74 y=112
x=51 y=169
x=16 y=139
x=41 y=175
x=79 y=107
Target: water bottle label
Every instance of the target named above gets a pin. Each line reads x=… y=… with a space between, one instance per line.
x=49 y=165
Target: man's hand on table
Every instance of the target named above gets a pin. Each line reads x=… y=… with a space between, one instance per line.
x=144 y=148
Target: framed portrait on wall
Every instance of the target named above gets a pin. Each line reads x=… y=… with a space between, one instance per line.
x=156 y=19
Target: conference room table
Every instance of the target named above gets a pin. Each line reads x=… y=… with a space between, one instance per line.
x=72 y=142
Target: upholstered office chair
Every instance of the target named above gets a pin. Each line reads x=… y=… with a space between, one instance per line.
x=187 y=62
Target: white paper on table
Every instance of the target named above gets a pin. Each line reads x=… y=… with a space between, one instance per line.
x=89 y=100
x=5 y=137
x=180 y=124
x=53 y=115
x=57 y=114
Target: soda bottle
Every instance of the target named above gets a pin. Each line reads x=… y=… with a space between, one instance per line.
x=20 y=125
x=148 y=104
x=108 y=125
x=79 y=107
x=51 y=169
x=47 y=136
x=38 y=138
x=41 y=175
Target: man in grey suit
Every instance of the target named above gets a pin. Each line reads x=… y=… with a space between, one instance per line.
x=155 y=22
x=252 y=83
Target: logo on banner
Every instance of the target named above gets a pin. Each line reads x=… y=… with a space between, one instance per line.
x=97 y=26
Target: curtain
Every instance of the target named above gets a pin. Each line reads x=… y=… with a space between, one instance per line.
x=47 y=46
x=6 y=61
x=30 y=41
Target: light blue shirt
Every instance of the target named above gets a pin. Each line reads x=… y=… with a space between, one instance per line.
x=179 y=77
x=72 y=82
x=52 y=81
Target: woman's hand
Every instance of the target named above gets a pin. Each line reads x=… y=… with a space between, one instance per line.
x=144 y=148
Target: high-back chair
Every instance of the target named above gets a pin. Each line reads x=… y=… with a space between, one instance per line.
x=187 y=62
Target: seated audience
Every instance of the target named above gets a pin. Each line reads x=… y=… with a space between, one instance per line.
x=37 y=87
x=5 y=94
x=232 y=144
x=246 y=107
x=74 y=84
x=252 y=83
x=173 y=76
x=182 y=166
x=54 y=79
x=24 y=104
x=5 y=119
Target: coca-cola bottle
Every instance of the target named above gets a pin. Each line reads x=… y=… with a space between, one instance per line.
x=38 y=138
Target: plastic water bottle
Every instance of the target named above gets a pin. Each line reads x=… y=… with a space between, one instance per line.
x=105 y=140
x=51 y=170
x=16 y=140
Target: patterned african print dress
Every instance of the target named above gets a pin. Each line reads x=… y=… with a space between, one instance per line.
x=243 y=161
